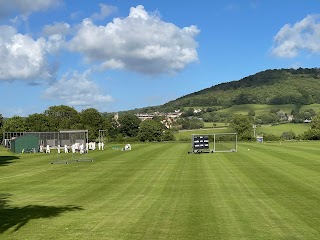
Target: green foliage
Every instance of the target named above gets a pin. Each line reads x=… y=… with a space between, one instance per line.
x=92 y=120
x=288 y=135
x=242 y=126
x=315 y=123
x=190 y=123
x=168 y=135
x=37 y=123
x=271 y=137
x=1 y=127
x=129 y=125
x=150 y=130
x=251 y=113
x=188 y=113
x=314 y=132
x=267 y=118
x=62 y=117
x=266 y=87
x=15 y=124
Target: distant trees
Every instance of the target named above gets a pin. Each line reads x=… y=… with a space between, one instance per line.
x=15 y=124
x=190 y=123
x=129 y=125
x=314 y=132
x=150 y=130
x=62 y=117
x=277 y=86
x=91 y=120
x=288 y=135
x=37 y=123
x=125 y=127
x=242 y=126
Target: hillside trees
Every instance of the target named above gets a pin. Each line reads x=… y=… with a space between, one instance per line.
x=278 y=86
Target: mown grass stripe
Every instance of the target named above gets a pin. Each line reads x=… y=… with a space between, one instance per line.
x=159 y=191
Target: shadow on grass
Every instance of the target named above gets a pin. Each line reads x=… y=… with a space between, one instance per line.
x=6 y=160
x=17 y=217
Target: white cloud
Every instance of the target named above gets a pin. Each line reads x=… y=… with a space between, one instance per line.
x=302 y=36
x=141 y=42
x=56 y=34
x=21 y=56
x=77 y=90
x=25 y=7
x=60 y=28
x=55 y=43
x=105 y=11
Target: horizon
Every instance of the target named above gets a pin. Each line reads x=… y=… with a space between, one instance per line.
x=120 y=55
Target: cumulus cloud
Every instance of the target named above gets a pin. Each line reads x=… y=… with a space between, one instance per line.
x=302 y=36
x=60 y=28
x=77 y=90
x=56 y=34
x=141 y=42
x=105 y=11
x=21 y=56
x=25 y=7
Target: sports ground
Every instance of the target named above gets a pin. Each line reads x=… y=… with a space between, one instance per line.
x=159 y=191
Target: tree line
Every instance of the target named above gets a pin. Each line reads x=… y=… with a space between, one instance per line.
x=127 y=127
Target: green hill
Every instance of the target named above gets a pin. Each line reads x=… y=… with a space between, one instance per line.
x=272 y=87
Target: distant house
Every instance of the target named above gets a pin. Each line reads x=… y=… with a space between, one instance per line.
x=169 y=118
x=145 y=116
x=290 y=118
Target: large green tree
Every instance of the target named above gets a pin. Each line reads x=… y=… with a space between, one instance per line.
x=314 y=132
x=92 y=120
x=15 y=124
x=129 y=125
x=37 y=123
x=242 y=126
x=62 y=117
x=150 y=130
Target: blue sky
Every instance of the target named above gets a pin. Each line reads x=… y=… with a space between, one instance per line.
x=124 y=54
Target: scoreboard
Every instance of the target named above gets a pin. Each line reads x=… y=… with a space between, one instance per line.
x=200 y=142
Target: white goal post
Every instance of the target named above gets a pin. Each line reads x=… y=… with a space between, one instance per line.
x=216 y=142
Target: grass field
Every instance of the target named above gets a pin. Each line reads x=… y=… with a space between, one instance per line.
x=258 y=108
x=277 y=130
x=297 y=128
x=159 y=191
x=315 y=107
x=186 y=134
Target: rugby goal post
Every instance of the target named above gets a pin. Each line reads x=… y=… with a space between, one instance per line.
x=216 y=142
